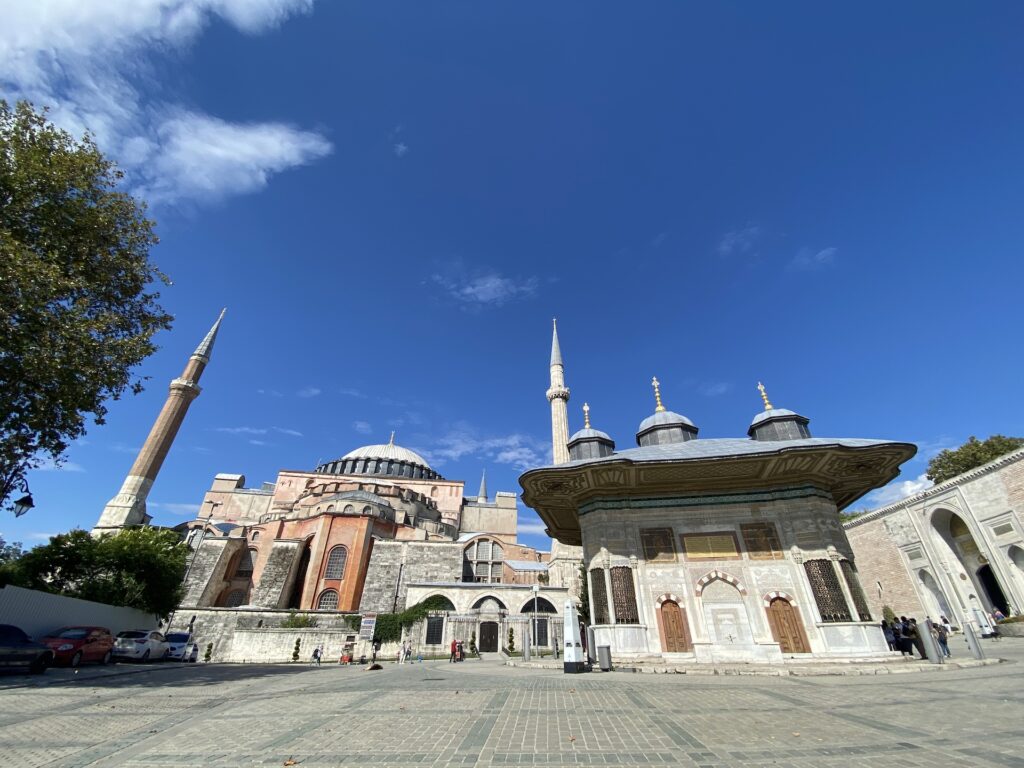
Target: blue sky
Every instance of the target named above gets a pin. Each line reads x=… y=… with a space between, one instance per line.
x=394 y=198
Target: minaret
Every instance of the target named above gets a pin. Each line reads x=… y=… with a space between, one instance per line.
x=128 y=508
x=558 y=396
x=482 y=496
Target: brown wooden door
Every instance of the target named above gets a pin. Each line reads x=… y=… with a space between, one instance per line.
x=787 y=629
x=677 y=633
x=489 y=636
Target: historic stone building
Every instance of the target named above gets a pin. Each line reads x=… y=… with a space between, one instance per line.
x=715 y=549
x=956 y=549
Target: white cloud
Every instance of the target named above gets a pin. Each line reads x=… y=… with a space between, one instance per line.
x=518 y=450
x=400 y=149
x=362 y=427
x=93 y=64
x=897 y=490
x=176 y=509
x=489 y=289
x=809 y=259
x=715 y=388
x=270 y=392
x=49 y=465
x=350 y=392
x=258 y=442
x=291 y=432
x=739 y=241
x=531 y=528
x=242 y=430
x=308 y=392
x=40 y=536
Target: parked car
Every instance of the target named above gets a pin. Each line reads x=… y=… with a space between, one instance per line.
x=19 y=650
x=141 y=644
x=73 y=645
x=183 y=647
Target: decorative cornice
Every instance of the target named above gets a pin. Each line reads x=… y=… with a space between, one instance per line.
x=935 y=490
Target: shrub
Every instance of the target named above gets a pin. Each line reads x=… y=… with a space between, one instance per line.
x=297 y=649
x=209 y=652
x=390 y=625
x=294 y=621
x=511 y=640
x=472 y=643
x=888 y=614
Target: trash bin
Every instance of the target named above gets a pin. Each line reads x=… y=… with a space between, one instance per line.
x=604 y=657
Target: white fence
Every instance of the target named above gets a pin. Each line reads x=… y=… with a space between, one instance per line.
x=40 y=612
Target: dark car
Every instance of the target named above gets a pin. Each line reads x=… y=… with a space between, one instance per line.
x=73 y=645
x=19 y=650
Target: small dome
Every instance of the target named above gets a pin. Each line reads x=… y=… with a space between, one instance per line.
x=387 y=451
x=663 y=419
x=388 y=459
x=589 y=434
x=779 y=424
x=664 y=427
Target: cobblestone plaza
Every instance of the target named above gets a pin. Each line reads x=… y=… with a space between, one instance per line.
x=482 y=713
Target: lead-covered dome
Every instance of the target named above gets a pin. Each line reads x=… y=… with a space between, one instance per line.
x=385 y=459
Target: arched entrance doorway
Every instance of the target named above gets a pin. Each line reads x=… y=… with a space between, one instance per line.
x=489 y=636
x=677 y=631
x=939 y=605
x=995 y=593
x=787 y=629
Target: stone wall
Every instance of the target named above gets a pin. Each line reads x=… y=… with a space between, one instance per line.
x=207 y=571
x=879 y=563
x=394 y=564
x=278 y=576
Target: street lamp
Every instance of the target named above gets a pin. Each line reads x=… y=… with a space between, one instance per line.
x=533 y=633
x=23 y=505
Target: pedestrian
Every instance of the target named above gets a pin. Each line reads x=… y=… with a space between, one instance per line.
x=942 y=638
x=889 y=637
x=400 y=658
x=454 y=647
x=458 y=651
x=317 y=653
x=945 y=622
x=375 y=647
x=998 y=615
x=408 y=652
x=915 y=638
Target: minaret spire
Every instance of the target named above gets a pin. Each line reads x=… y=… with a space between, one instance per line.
x=482 y=496
x=128 y=508
x=558 y=396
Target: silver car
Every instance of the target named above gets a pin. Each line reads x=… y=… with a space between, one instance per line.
x=141 y=644
x=183 y=647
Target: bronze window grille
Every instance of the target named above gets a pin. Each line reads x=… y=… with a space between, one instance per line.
x=336 y=561
x=828 y=594
x=435 y=630
x=761 y=541
x=860 y=602
x=598 y=596
x=624 y=595
x=658 y=545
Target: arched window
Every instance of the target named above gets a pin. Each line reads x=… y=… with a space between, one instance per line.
x=482 y=561
x=330 y=508
x=235 y=598
x=367 y=510
x=336 y=563
x=349 y=509
x=245 y=562
x=328 y=600
x=255 y=535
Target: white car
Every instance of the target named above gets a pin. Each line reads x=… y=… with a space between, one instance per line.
x=183 y=647
x=141 y=644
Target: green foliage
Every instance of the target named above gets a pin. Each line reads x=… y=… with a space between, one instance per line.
x=845 y=517
x=138 y=568
x=888 y=614
x=8 y=554
x=353 y=621
x=511 y=647
x=297 y=650
x=472 y=643
x=295 y=621
x=584 y=595
x=77 y=309
x=209 y=652
x=390 y=625
x=950 y=463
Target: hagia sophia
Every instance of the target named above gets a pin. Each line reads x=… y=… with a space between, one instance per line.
x=694 y=549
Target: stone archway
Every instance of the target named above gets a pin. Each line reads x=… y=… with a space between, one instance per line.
x=939 y=604
x=989 y=582
x=954 y=535
x=786 y=626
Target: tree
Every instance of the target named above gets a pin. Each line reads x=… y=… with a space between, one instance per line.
x=584 y=595
x=77 y=309
x=973 y=453
x=138 y=568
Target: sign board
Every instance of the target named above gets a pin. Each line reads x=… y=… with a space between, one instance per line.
x=367 y=625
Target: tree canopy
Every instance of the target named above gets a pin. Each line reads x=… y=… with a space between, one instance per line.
x=77 y=309
x=973 y=453
x=138 y=568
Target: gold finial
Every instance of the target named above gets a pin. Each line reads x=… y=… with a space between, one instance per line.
x=764 y=396
x=392 y=440
x=657 y=394
x=586 y=416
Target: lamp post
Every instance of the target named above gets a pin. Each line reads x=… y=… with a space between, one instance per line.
x=533 y=631
x=23 y=505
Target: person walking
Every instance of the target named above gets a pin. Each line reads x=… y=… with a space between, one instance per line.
x=942 y=638
x=317 y=653
x=400 y=657
x=375 y=647
x=945 y=622
x=889 y=637
x=915 y=638
x=454 y=647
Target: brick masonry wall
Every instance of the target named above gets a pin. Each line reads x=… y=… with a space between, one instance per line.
x=879 y=560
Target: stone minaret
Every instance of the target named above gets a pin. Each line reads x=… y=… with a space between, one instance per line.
x=128 y=508
x=482 y=496
x=558 y=396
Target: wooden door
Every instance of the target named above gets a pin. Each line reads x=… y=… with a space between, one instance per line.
x=489 y=636
x=677 y=633
x=787 y=629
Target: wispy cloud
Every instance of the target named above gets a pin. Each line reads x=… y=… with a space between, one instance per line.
x=715 y=388
x=897 y=490
x=808 y=259
x=65 y=466
x=362 y=427
x=658 y=239
x=518 y=450
x=531 y=527
x=269 y=392
x=258 y=442
x=739 y=241
x=175 y=509
x=400 y=149
x=308 y=392
x=93 y=64
x=488 y=289
x=350 y=392
x=242 y=430
x=40 y=536
x=290 y=432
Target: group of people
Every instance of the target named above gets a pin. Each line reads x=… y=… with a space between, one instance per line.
x=457 y=653
x=904 y=635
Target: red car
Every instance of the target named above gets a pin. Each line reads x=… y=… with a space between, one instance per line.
x=73 y=645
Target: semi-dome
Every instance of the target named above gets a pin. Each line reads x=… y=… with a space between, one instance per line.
x=385 y=459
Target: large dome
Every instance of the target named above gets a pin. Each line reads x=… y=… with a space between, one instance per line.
x=385 y=459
